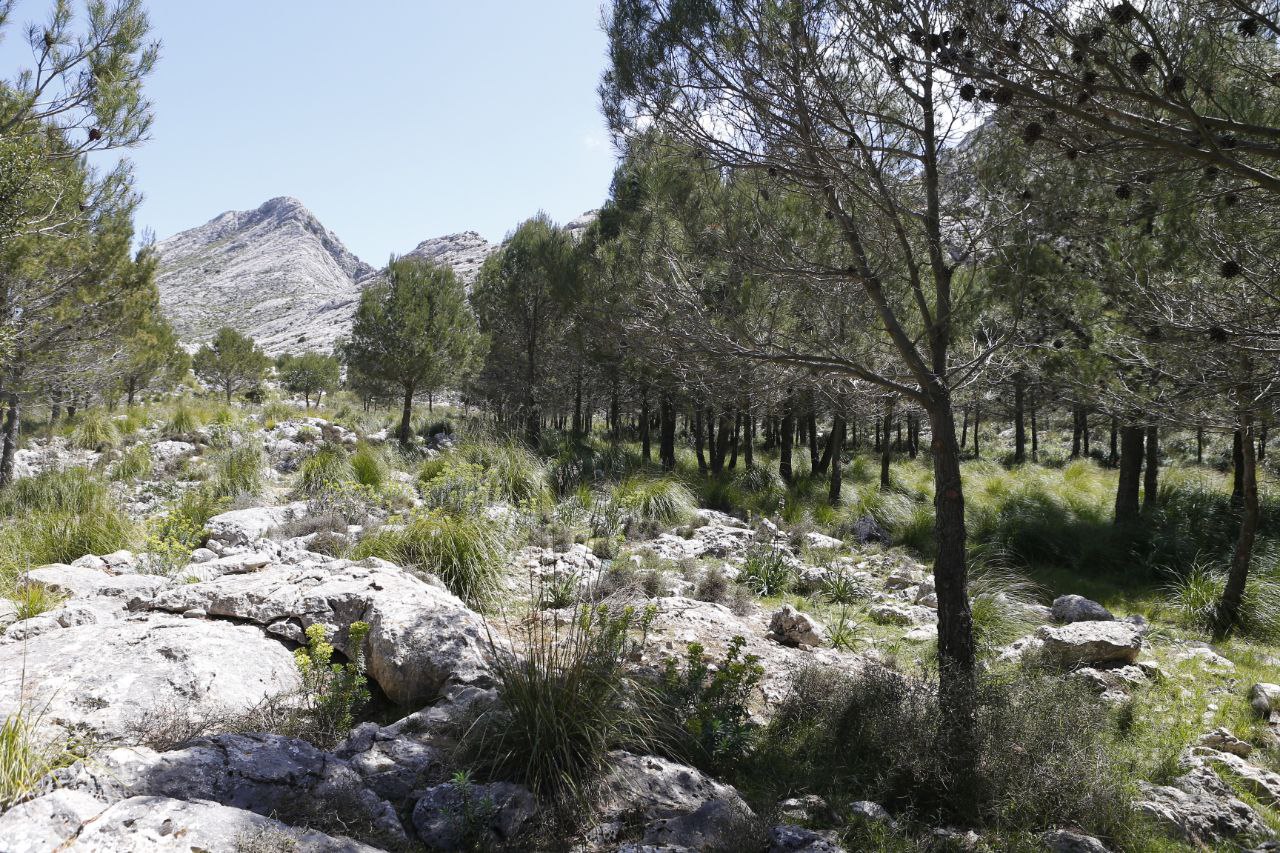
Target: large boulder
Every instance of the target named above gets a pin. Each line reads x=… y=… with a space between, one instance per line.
x=793 y=628
x=1091 y=643
x=245 y=526
x=420 y=635
x=76 y=822
x=664 y=803
x=263 y=773
x=104 y=679
x=456 y=816
x=1077 y=608
x=82 y=582
x=1201 y=809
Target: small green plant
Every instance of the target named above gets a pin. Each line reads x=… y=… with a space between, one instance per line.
x=327 y=467
x=238 y=471
x=1195 y=594
x=95 y=430
x=844 y=631
x=767 y=572
x=170 y=540
x=135 y=464
x=841 y=587
x=710 y=706
x=473 y=815
x=560 y=590
x=332 y=693
x=33 y=599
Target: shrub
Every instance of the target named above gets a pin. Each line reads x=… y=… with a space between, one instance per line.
x=516 y=476
x=369 y=467
x=716 y=587
x=238 y=471
x=565 y=703
x=332 y=693
x=95 y=430
x=767 y=571
x=183 y=420
x=839 y=586
x=659 y=502
x=466 y=551
x=327 y=467
x=877 y=735
x=709 y=706
x=135 y=464
x=27 y=755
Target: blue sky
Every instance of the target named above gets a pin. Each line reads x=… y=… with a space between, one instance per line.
x=393 y=121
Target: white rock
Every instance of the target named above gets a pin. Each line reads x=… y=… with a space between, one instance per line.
x=793 y=628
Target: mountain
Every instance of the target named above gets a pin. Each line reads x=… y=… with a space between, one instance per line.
x=274 y=273
x=465 y=252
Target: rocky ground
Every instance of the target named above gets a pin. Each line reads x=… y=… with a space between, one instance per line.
x=143 y=670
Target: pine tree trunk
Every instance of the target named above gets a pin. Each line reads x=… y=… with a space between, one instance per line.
x=1127 y=486
x=1076 y=436
x=964 y=430
x=1151 y=478
x=1114 y=458
x=1084 y=429
x=1199 y=445
x=646 y=452
x=1019 y=422
x=886 y=454
x=1237 y=469
x=406 y=415
x=667 y=437
x=9 y=447
x=1228 y=611
x=815 y=453
x=835 y=447
x=737 y=438
x=787 y=439
x=748 y=444
x=977 y=422
x=1035 y=437
x=699 y=440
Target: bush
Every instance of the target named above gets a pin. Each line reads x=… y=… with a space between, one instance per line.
x=183 y=420
x=767 y=571
x=332 y=693
x=327 y=467
x=662 y=502
x=565 y=703
x=369 y=467
x=515 y=475
x=709 y=707
x=135 y=464
x=466 y=551
x=877 y=735
x=95 y=430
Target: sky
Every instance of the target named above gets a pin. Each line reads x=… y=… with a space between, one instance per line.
x=392 y=120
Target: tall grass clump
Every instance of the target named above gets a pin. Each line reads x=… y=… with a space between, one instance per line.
x=465 y=550
x=325 y=468
x=95 y=430
x=369 y=466
x=27 y=755
x=183 y=419
x=566 y=701
x=134 y=464
x=658 y=502
x=1195 y=593
x=516 y=475
x=237 y=471
x=57 y=517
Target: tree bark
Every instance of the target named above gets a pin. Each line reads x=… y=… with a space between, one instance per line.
x=815 y=453
x=835 y=447
x=736 y=440
x=1199 y=445
x=1019 y=421
x=406 y=415
x=977 y=422
x=1151 y=477
x=667 y=437
x=1237 y=468
x=964 y=430
x=1035 y=437
x=9 y=449
x=699 y=440
x=787 y=440
x=1228 y=611
x=646 y=452
x=1076 y=437
x=749 y=439
x=1131 y=438
x=1115 y=454
x=886 y=452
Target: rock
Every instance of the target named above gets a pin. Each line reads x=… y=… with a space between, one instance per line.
x=1077 y=608
x=81 y=582
x=46 y=823
x=1062 y=841
x=420 y=636
x=903 y=577
x=123 y=673
x=1265 y=698
x=797 y=839
x=263 y=773
x=8 y=613
x=867 y=531
x=89 y=561
x=1085 y=643
x=1111 y=682
x=202 y=555
x=670 y=804
x=1258 y=781
x=869 y=811
x=118 y=561
x=813 y=539
x=502 y=812
x=1222 y=740
x=900 y=614
x=793 y=628
x=809 y=809
x=163 y=825
x=170 y=451
x=1206 y=657
x=245 y=526
x=1201 y=811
